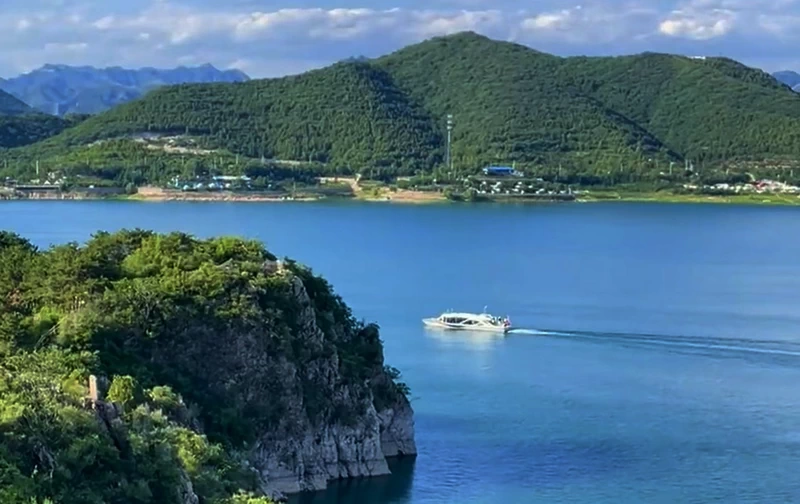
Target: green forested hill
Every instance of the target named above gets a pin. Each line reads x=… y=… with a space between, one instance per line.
x=714 y=108
x=350 y=114
x=510 y=104
x=29 y=128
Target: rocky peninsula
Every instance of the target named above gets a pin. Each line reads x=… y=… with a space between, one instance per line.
x=197 y=371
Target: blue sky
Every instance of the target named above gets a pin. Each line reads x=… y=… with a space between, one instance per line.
x=269 y=38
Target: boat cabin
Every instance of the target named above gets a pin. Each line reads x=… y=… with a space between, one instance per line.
x=458 y=320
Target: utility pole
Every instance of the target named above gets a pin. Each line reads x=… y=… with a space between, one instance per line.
x=449 y=138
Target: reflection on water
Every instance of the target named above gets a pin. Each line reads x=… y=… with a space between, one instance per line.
x=470 y=340
x=392 y=489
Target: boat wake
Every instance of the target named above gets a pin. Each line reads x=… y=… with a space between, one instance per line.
x=691 y=344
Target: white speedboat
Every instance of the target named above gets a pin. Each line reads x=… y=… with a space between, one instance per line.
x=469 y=322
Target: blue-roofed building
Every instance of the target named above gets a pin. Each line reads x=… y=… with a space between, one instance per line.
x=499 y=170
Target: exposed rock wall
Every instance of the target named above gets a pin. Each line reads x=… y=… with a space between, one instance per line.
x=306 y=458
x=309 y=461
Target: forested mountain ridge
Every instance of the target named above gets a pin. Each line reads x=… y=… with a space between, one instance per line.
x=509 y=104
x=712 y=108
x=350 y=113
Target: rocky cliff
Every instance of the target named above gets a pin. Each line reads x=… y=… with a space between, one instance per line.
x=310 y=383
x=217 y=369
x=303 y=455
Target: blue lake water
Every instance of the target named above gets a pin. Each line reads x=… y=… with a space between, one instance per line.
x=659 y=361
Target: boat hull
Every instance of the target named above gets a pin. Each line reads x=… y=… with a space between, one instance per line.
x=433 y=323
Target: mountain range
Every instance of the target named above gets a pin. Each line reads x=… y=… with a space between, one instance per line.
x=63 y=89
x=595 y=117
x=790 y=78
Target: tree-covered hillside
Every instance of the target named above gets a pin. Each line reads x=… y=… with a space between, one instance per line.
x=509 y=104
x=25 y=129
x=712 y=108
x=593 y=116
x=349 y=114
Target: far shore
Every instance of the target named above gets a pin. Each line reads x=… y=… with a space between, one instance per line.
x=406 y=196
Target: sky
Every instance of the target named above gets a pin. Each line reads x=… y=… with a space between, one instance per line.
x=267 y=38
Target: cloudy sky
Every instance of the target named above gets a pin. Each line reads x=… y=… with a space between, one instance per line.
x=268 y=38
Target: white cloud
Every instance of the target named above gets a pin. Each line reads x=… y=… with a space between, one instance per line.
x=698 y=25
x=315 y=23
x=269 y=37
x=593 y=24
x=430 y=24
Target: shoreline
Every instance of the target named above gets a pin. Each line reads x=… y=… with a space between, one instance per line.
x=406 y=197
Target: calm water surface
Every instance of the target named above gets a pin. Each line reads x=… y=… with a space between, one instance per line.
x=659 y=363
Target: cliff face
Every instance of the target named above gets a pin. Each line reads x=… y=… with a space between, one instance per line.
x=308 y=462
x=300 y=455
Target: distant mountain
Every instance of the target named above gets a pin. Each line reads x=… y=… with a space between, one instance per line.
x=10 y=105
x=22 y=125
x=62 y=89
x=788 y=77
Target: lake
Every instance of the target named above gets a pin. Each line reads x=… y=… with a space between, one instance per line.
x=658 y=361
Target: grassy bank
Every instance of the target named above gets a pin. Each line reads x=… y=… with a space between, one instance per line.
x=666 y=197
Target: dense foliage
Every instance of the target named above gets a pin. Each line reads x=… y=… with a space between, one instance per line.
x=606 y=121
x=147 y=311
x=509 y=104
x=705 y=109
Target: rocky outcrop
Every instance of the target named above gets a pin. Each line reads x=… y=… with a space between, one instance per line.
x=206 y=360
x=318 y=374
x=397 y=430
x=308 y=462
x=302 y=456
